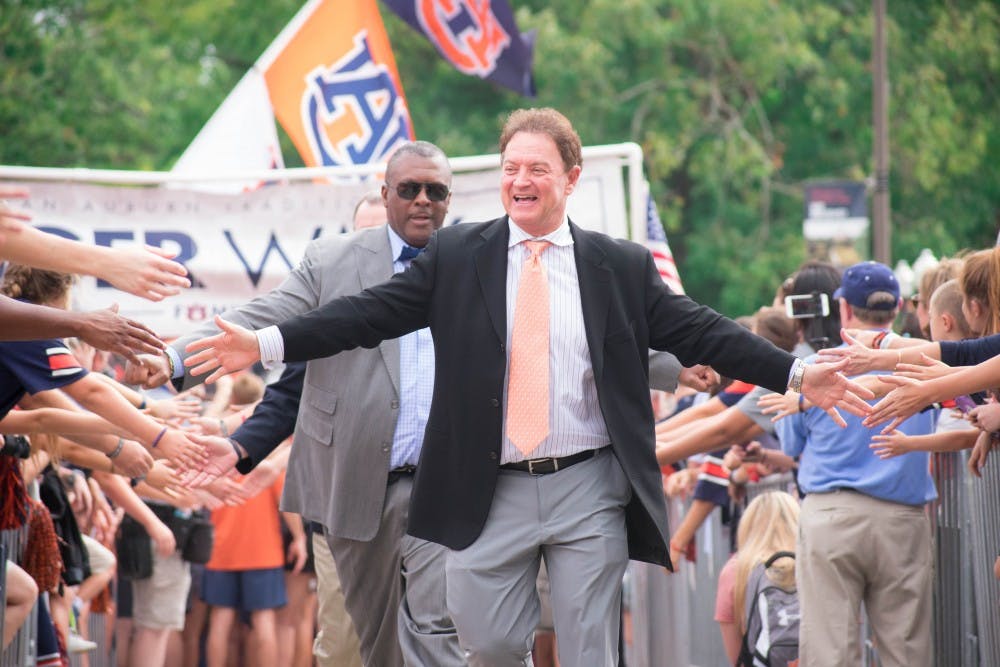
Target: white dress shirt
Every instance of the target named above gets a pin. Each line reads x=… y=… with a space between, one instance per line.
x=575 y=419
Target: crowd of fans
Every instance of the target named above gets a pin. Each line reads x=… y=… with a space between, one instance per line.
x=918 y=353
x=214 y=570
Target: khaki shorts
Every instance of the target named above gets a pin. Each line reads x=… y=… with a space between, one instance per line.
x=160 y=601
x=101 y=558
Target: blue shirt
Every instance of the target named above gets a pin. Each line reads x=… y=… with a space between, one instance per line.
x=416 y=381
x=28 y=367
x=841 y=458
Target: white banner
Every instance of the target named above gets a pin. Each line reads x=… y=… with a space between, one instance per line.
x=237 y=246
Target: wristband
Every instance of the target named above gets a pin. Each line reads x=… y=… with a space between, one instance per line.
x=142 y=404
x=159 y=436
x=879 y=339
x=886 y=340
x=170 y=364
x=134 y=482
x=117 y=450
x=802 y=403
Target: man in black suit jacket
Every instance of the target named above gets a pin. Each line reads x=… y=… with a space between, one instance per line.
x=594 y=487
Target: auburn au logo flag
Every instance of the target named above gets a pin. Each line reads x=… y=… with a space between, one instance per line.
x=478 y=37
x=334 y=87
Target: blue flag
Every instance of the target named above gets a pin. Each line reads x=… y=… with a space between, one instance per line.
x=478 y=37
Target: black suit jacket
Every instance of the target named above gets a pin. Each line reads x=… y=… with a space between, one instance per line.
x=457 y=288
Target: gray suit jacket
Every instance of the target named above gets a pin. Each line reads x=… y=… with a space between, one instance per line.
x=339 y=461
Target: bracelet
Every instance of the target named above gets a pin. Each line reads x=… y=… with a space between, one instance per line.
x=159 y=436
x=170 y=363
x=878 y=340
x=117 y=450
x=886 y=340
x=899 y=359
x=142 y=404
x=222 y=428
x=134 y=482
x=802 y=403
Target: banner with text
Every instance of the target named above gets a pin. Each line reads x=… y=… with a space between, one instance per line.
x=237 y=246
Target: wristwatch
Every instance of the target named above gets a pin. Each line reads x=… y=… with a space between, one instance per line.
x=795 y=384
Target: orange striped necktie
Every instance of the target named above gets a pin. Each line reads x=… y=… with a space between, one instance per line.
x=528 y=385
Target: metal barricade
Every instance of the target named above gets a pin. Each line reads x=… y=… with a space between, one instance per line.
x=672 y=616
x=97 y=631
x=22 y=650
x=983 y=547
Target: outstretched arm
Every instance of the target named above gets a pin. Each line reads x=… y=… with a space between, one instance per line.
x=911 y=396
x=147 y=272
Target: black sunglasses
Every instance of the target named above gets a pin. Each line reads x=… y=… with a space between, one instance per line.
x=410 y=190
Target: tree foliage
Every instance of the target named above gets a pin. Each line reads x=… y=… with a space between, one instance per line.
x=736 y=103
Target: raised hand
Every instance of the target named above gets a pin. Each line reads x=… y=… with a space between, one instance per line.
x=825 y=385
x=161 y=476
x=231 y=350
x=860 y=358
x=781 y=405
x=147 y=370
x=163 y=539
x=10 y=220
x=698 y=377
x=180 y=407
x=185 y=453
x=221 y=459
x=981 y=450
x=928 y=369
x=147 y=272
x=107 y=330
x=986 y=417
x=907 y=399
x=134 y=460
x=893 y=443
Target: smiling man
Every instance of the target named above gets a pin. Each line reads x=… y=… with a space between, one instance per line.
x=539 y=442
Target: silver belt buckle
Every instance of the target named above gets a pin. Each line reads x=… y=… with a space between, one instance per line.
x=531 y=466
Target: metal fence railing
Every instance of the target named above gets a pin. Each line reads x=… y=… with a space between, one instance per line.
x=671 y=617
x=22 y=650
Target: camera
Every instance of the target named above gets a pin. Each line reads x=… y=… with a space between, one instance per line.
x=16 y=446
x=802 y=306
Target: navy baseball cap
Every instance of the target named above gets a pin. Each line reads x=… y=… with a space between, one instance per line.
x=862 y=280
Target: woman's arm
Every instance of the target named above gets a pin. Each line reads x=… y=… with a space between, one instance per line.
x=911 y=396
x=713 y=406
x=889 y=445
x=55 y=420
x=730 y=426
x=98 y=397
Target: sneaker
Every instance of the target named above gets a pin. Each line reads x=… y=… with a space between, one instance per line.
x=77 y=644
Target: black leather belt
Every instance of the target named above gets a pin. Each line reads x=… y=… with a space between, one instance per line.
x=402 y=471
x=547 y=466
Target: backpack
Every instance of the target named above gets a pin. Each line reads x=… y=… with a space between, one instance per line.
x=772 y=613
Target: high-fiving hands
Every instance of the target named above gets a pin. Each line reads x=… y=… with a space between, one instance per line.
x=232 y=349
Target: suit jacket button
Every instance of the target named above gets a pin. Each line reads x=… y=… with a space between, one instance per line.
x=394 y=405
x=495 y=403
x=493 y=456
x=385 y=448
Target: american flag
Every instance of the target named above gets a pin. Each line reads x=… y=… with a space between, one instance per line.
x=656 y=242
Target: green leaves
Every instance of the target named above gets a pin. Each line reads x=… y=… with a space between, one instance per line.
x=736 y=103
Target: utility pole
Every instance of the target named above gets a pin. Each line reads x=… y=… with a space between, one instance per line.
x=881 y=232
